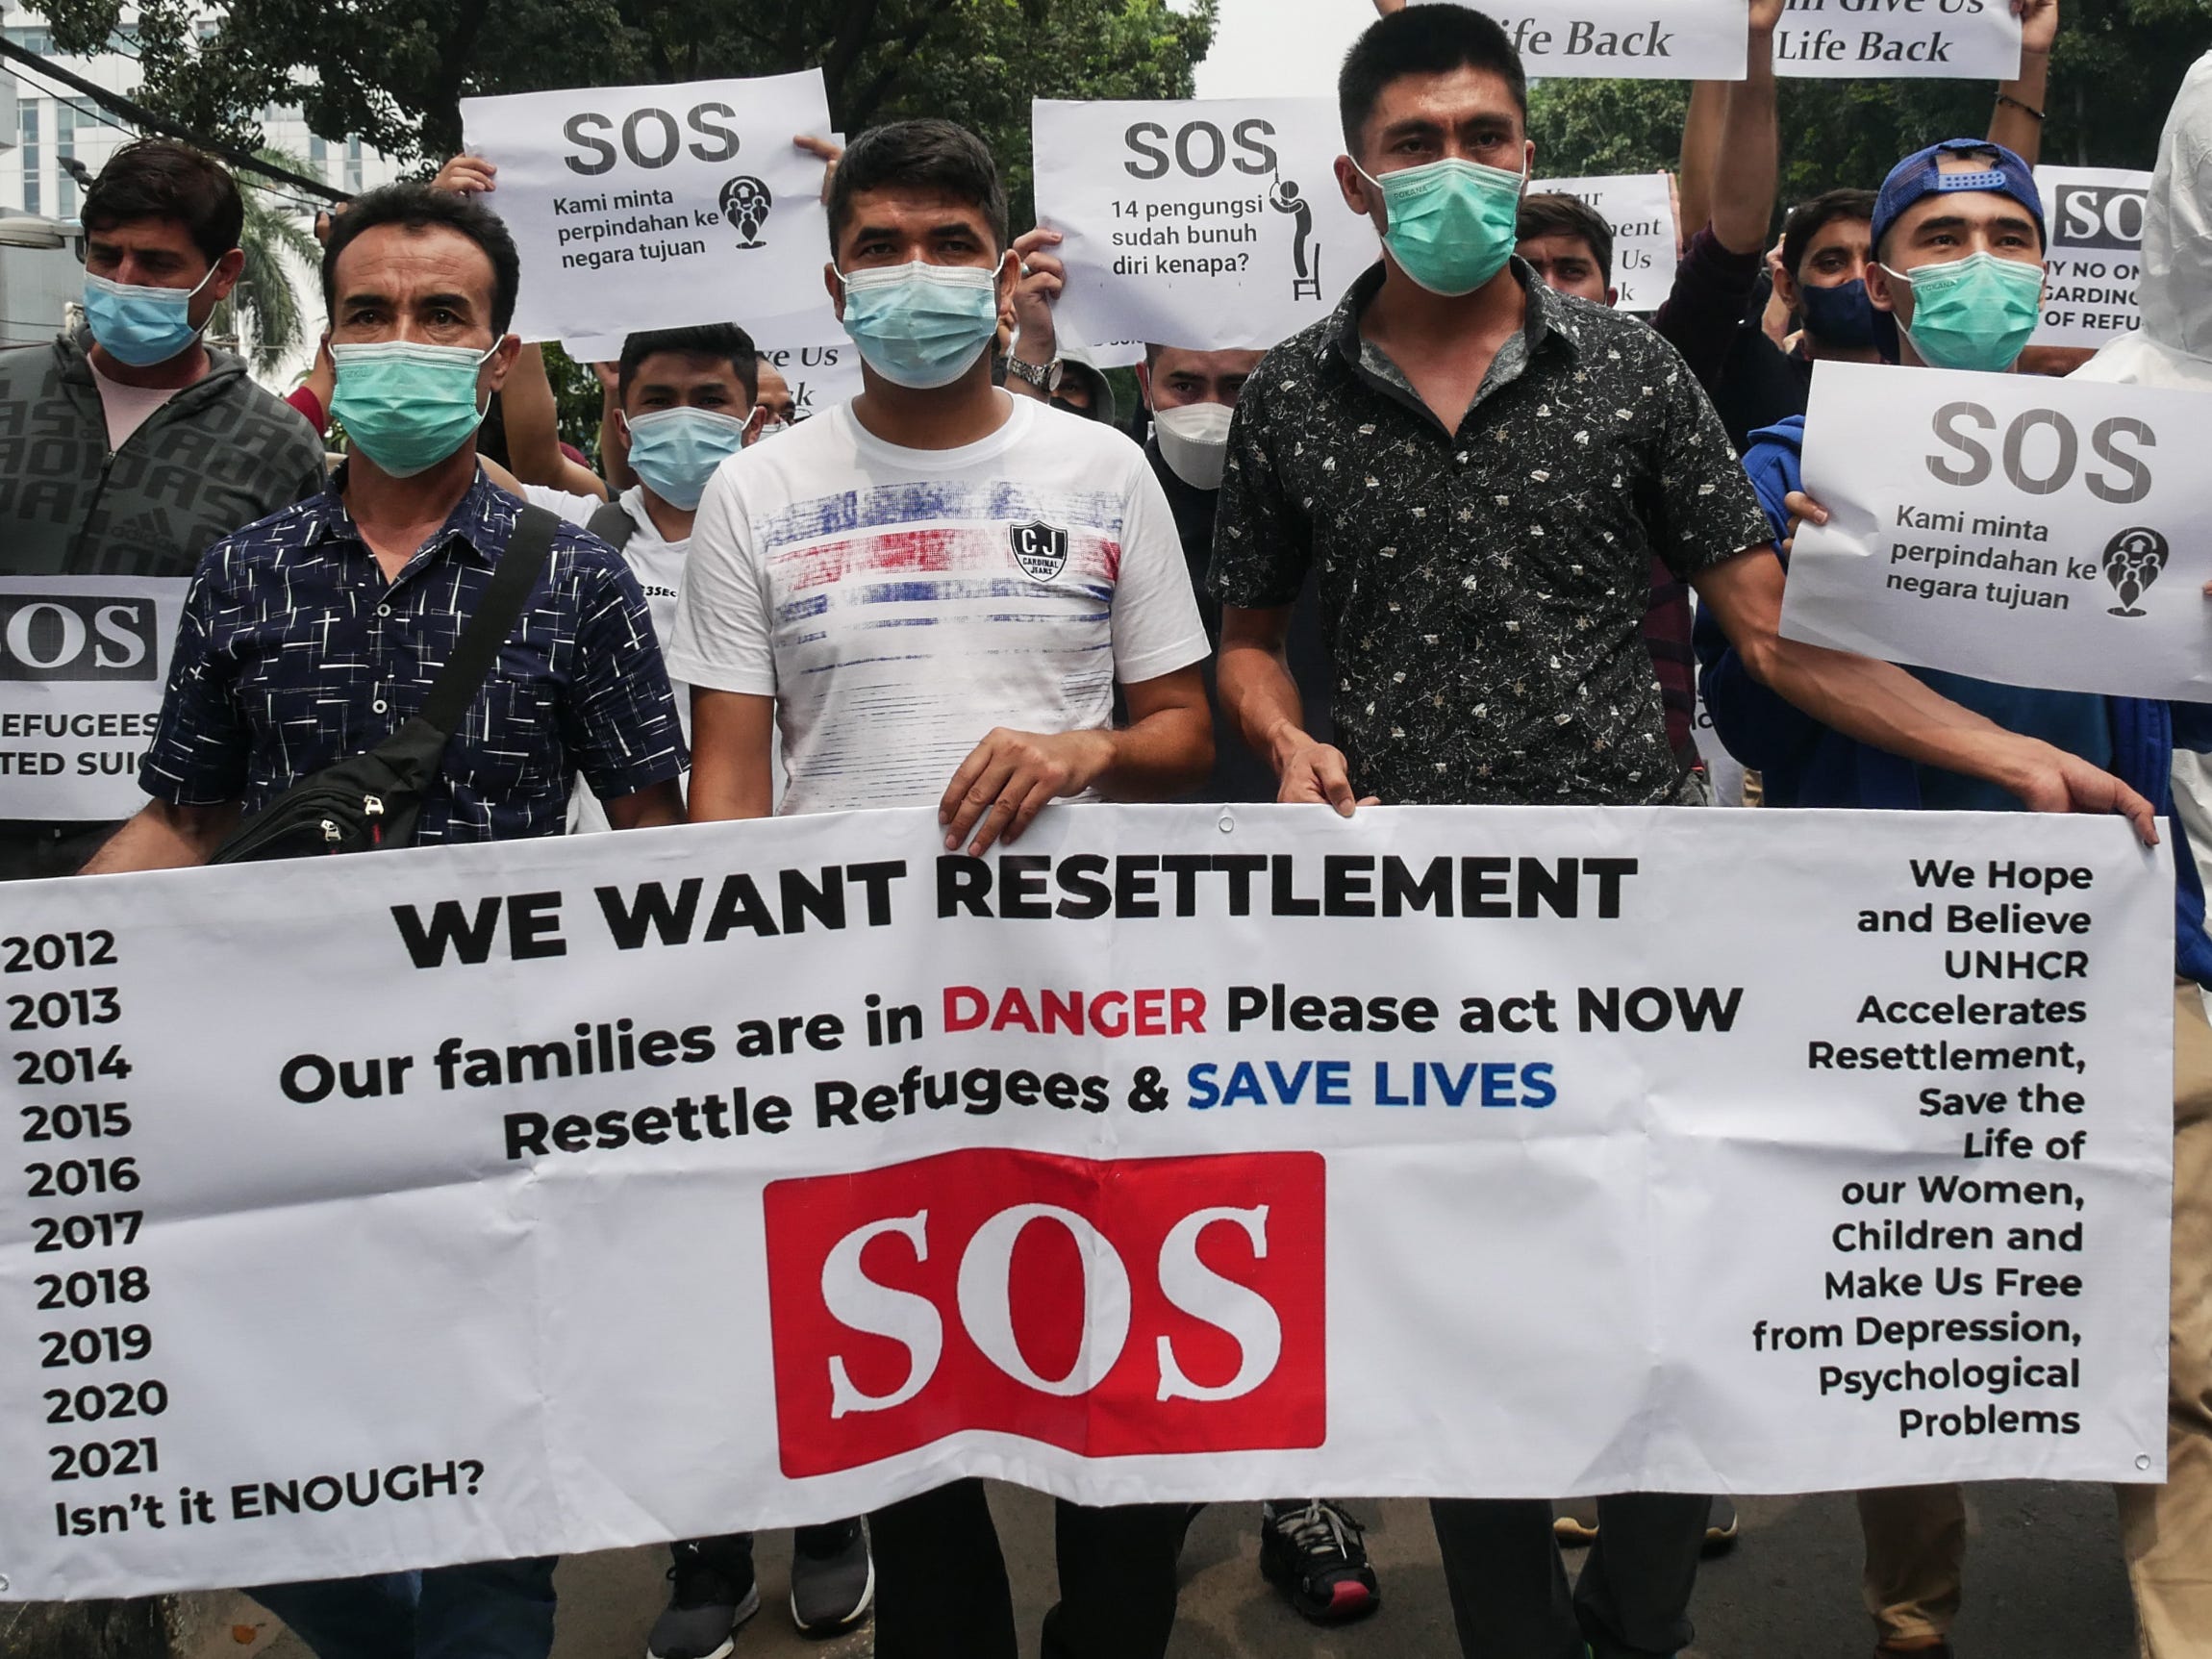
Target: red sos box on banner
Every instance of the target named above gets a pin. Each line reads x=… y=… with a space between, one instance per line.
x=1113 y=1308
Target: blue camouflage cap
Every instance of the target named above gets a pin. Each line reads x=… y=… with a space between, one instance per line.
x=1920 y=175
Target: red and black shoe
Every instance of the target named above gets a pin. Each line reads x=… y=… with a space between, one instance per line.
x=1317 y=1554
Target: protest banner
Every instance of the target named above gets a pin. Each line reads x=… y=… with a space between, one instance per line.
x=2095 y=215
x=1180 y=1153
x=2031 y=531
x=1651 y=39
x=821 y=368
x=1899 y=39
x=84 y=661
x=656 y=207
x=1640 y=206
x=1210 y=224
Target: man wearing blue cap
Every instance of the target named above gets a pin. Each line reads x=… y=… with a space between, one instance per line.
x=1958 y=260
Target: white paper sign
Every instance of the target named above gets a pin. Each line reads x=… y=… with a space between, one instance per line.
x=1640 y=206
x=656 y=207
x=2016 y=528
x=822 y=370
x=83 y=664
x=1651 y=40
x=1414 y=1154
x=1899 y=39
x=2096 y=220
x=1208 y=224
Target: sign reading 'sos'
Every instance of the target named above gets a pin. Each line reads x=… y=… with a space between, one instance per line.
x=1113 y=1308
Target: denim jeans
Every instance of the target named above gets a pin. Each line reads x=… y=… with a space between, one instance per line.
x=489 y=1610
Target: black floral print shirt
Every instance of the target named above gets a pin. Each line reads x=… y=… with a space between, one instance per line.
x=1483 y=591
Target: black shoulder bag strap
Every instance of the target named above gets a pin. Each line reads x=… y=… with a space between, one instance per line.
x=371 y=802
x=613 y=525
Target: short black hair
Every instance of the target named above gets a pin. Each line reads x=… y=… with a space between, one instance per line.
x=1807 y=220
x=417 y=207
x=930 y=153
x=720 y=339
x=161 y=179
x=1422 y=40
x=1549 y=213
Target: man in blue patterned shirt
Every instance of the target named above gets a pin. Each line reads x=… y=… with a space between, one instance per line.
x=314 y=634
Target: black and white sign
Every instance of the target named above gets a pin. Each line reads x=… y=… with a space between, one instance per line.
x=1899 y=39
x=83 y=664
x=652 y=207
x=2096 y=220
x=1208 y=224
x=2021 y=529
x=1651 y=40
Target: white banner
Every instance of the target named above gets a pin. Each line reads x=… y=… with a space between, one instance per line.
x=1653 y=39
x=1640 y=206
x=83 y=664
x=1899 y=39
x=2017 y=528
x=1183 y=1153
x=1211 y=224
x=823 y=372
x=651 y=207
x=2095 y=219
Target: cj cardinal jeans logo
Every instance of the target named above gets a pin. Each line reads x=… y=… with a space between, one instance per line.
x=1112 y=1309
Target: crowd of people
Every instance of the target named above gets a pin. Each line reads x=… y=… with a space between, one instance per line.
x=1439 y=548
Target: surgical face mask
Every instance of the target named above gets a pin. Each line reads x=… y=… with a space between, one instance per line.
x=772 y=429
x=408 y=406
x=1842 y=316
x=1450 y=223
x=675 y=451
x=918 y=325
x=140 y=326
x=1976 y=313
x=1194 y=441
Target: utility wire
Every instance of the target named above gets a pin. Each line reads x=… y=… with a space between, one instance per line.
x=136 y=112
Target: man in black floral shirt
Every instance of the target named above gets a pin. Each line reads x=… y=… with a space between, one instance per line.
x=1484 y=471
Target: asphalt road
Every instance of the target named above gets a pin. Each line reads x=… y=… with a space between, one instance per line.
x=2044 y=1582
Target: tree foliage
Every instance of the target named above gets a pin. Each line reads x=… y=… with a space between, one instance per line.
x=264 y=311
x=393 y=71
x=2113 y=76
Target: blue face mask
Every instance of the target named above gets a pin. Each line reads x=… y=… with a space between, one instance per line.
x=140 y=326
x=1976 y=313
x=1451 y=224
x=919 y=325
x=407 y=406
x=675 y=451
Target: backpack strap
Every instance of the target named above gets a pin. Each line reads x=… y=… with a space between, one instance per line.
x=613 y=525
x=528 y=546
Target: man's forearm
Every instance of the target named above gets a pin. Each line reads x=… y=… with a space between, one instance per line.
x=1262 y=697
x=2018 y=123
x=164 y=837
x=1881 y=704
x=1158 y=757
x=1747 y=165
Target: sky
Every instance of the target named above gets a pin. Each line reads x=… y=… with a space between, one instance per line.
x=1281 y=48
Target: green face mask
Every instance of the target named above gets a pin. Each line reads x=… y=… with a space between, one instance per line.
x=1451 y=223
x=1976 y=313
x=407 y=406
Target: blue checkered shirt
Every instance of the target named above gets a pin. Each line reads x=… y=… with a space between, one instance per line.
x=296 y=652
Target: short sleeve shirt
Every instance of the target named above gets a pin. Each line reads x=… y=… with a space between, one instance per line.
x=296 y=652
x=1484 y=590
x=898 y=604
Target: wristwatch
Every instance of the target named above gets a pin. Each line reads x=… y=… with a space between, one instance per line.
x=1045 y=377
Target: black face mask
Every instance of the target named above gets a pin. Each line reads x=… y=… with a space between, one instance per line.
x=1060 y=403
x=1845 y=318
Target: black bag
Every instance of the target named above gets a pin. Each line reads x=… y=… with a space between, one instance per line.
x=370 y=802
x=613 y=525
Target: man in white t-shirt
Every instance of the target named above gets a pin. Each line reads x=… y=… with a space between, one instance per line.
x=932 y=592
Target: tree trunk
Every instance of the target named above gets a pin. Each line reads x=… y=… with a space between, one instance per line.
x=85 y=1631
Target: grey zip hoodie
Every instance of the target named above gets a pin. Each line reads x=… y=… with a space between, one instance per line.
x=214 y=458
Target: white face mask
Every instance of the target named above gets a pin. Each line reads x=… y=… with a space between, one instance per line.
x=1194 y=441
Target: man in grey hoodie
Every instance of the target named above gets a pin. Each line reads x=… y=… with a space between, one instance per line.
x=127 y=447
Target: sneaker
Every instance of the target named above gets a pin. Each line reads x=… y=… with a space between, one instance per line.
x=1721 y=1528
x=833 y=1576
x=1316 y=1556
x=713 y=1594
